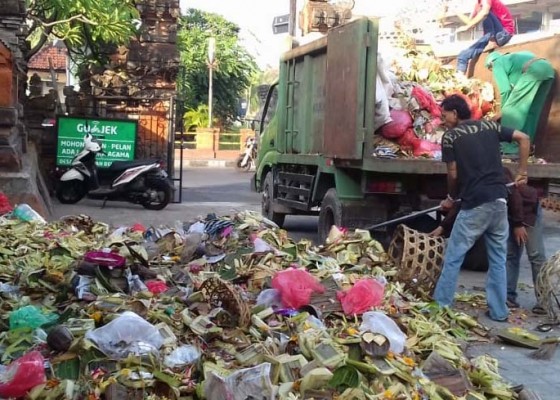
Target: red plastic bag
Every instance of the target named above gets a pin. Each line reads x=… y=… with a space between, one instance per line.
x=365 y=294
x=22 y=375
x=426 y=148
x=5 y=206
x=156 y=287
x=409 y=140
x=401 y=121
x=295 y=287
x=426 y=101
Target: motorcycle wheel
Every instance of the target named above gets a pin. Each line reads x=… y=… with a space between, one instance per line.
x=239 y=161
x=162 y=195
x=70 y=192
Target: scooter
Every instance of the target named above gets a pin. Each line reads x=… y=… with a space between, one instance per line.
x=247 y=158
x=140 y=181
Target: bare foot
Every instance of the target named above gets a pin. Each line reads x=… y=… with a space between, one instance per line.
x=491 y=46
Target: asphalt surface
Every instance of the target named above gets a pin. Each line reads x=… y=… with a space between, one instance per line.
x=224 y=191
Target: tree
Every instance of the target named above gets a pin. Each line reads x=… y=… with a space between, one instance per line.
x=234 y=66
x=87 y=27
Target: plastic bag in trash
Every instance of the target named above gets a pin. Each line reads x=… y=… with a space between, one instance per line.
x=249 y=383
x=377 y=322
x=22 y=375
x=365 y=294
x=30 y=317
x=182 y=356
x=25 y=213
x=127 y=334
x=269 y=298
x=295 y=287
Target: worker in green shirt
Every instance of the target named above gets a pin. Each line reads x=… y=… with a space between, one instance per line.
x=524 y=82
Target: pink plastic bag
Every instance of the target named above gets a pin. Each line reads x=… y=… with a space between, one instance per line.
x=295 y=287
x=426 y=148
x=401 y=121
x=426 y=101
x=156 y=287
x=365 y=294
x=22 y=375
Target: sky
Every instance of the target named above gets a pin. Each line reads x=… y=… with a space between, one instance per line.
x=254 y=17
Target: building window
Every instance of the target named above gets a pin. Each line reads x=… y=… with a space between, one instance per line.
x=529 y=22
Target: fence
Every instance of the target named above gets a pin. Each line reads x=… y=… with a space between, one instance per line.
x=207 y=144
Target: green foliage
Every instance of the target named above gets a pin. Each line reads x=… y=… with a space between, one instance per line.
x=234 y=66
x=196 y=117
x=87 y=27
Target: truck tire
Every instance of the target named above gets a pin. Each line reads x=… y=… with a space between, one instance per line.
x=330 y=214
x=267 y=201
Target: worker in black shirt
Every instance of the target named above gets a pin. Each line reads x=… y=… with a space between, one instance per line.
x=471 y=150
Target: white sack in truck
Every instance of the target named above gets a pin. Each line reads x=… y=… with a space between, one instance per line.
x=382 y=113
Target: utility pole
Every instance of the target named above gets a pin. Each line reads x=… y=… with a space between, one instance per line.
x=293 y=12
x=211 y=53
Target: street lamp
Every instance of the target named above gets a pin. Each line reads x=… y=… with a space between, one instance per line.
x=211 y=53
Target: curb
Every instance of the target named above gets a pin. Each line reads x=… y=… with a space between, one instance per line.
x=206 y=163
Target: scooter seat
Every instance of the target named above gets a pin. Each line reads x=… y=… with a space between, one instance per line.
x=124 y=165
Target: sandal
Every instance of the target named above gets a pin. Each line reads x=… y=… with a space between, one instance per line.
x=539 y=310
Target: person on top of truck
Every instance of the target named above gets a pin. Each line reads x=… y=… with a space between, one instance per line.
x=471 y=150
x=524 y=81
x=525 y=221
x=498 y=26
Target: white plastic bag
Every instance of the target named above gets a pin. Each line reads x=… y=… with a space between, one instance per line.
x=249 y=383
x=269 y=298
x=377 y=322
x=182 y=356
x=127 y=334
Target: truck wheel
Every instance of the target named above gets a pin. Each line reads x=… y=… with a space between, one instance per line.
x=267 y=200
x=330 y=214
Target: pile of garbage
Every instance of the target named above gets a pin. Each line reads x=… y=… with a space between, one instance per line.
x=408 y=92
x=221 y=308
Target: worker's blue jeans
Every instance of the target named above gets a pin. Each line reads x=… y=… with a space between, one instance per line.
x=493 y=29
x=535 y=253
x=491 y=221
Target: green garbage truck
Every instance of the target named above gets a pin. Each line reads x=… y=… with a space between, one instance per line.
x=316 y=140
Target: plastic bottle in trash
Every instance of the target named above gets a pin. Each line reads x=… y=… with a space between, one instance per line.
x=24 y=212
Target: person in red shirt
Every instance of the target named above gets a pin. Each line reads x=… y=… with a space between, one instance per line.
x=498 y=26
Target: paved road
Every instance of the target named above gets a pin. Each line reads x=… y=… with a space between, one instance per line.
x=224 y=191
x=205 y=190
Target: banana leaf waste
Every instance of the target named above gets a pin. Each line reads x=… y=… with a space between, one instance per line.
x=194 y=311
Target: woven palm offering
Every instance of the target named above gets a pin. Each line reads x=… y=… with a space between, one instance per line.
x=548 y=286
x=219 y=293
x=418 y=257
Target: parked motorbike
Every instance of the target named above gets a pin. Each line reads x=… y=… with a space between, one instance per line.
x=248 y=157
x=140 y=181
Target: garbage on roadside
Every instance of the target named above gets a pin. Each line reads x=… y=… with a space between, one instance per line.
x=222 y=308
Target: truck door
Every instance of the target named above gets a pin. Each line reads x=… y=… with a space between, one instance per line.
x=350 y=88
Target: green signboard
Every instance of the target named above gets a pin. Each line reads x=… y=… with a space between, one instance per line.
x=117 y=137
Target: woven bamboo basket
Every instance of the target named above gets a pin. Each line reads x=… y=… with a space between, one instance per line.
x=548 y=286
x=419 y=259
x=220 y=293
